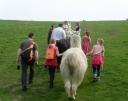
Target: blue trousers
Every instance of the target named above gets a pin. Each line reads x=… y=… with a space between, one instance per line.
x=96 y=70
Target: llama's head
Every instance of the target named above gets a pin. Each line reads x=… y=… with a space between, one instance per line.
x=68 y=31
x=75 y=41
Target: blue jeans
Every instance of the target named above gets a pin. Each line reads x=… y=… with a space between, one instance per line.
x=96 y=70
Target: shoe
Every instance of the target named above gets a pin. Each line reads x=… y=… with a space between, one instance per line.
x=98 y=78
x=30 y=82
x=94 y=75
x=51 y=85
x=24 y=89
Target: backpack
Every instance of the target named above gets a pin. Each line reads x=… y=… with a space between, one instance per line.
x=50 y=53
x=27 y=55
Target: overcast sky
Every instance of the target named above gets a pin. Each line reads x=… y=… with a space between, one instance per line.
x=53 y=10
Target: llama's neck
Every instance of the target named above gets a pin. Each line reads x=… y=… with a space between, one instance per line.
x=75 y=41
x=76 y=45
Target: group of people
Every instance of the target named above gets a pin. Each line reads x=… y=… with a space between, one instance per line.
x=97 y=52
x=61 y=29
x=55 y=36
x=27 y=54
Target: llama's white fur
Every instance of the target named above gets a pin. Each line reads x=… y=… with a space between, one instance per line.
x=73 y=66
x=69 y=31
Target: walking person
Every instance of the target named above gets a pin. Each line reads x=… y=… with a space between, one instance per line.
x=28 y=52
x=51 y=60
x=86 y=42
x=97 y=58
x=50 y=32
x=77 y=27
x=65 y=25
x=58 y=34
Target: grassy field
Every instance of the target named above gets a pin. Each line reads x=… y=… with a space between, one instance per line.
x=114 y=82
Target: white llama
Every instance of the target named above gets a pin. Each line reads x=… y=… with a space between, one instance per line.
x=69 y=31
x=73 y=66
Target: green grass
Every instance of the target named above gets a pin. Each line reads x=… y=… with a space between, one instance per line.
x=114 y=82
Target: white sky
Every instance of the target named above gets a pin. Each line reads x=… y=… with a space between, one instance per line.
x=59 y=10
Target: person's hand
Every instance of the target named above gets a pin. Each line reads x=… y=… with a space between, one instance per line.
x=36 y=62
x=17 y=60
x=18 y=67
x=18 y=64
x=102 y=66
x=87 y=54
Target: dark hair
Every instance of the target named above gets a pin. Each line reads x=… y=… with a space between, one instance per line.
x=30 y=35
x=87 y=33
x=65 y=21
x=52 y=26
x=52 y=41
x=78 y=23
x=60 y=25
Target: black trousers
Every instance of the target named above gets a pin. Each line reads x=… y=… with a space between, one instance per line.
x=24 y=73
x=62 y=45
x=59 y=61
x=51 y=76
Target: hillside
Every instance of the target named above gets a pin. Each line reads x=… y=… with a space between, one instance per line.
x=114 y=82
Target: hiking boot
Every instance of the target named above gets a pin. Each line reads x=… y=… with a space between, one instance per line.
x=30 y=82
x=51 y=85
x=24 y=89
x=98 y=78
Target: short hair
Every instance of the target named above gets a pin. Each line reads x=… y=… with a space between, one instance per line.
x=78 y=23
x=30 y=35
x=101 y=41
x=52 y=26
x=52 y=41
x=60 y=25
x=66 y=22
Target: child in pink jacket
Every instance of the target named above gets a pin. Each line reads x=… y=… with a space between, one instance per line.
x=86 y=43
x=97 y=58
x=51 y=63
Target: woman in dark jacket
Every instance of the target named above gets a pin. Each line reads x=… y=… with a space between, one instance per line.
x=77 y=26
x=50 y=32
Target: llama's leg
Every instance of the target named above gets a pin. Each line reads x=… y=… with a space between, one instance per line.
x=73 y=90
x=68 y=87
x=74 y=85
x=78 y=76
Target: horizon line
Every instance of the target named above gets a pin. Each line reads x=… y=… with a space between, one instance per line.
x=63 y=20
